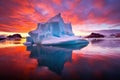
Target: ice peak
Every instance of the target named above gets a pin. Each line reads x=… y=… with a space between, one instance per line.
x=58 y=15
x=56 y=18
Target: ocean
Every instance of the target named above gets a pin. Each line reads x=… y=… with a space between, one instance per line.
x=99 y=60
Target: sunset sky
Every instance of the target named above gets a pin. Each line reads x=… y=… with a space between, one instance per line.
x=21 y=16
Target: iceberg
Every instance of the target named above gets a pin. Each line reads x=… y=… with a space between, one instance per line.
x=54 y=32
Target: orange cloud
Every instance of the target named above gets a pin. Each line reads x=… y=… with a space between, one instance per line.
x=23 y=16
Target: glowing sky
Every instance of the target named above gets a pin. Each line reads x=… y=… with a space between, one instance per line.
x=23 y=15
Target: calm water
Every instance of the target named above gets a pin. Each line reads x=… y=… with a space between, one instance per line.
x=100 y=59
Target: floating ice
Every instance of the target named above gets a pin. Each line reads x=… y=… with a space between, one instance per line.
x=54 y=32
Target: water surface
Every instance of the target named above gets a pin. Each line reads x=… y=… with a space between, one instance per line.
x=100 y=59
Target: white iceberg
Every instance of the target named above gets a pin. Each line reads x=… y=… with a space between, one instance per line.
x=54 y=32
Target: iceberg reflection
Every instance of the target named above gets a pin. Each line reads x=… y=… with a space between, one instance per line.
x=52 y=57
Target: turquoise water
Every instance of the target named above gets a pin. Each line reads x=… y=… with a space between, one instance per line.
x=100 y=59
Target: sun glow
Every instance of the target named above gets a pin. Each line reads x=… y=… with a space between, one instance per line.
x=80 y=33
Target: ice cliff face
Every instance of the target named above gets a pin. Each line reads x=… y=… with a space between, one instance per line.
x=54 y=27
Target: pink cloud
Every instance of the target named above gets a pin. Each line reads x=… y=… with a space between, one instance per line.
x=23 y=16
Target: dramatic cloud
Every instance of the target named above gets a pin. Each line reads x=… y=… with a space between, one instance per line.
x=23 y=15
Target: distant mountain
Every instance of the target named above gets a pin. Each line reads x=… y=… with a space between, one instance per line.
x=95 y=35
x=14 y=36
x=108 y=32
x=2 y=37
x=117 y=35
x=11 y=37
